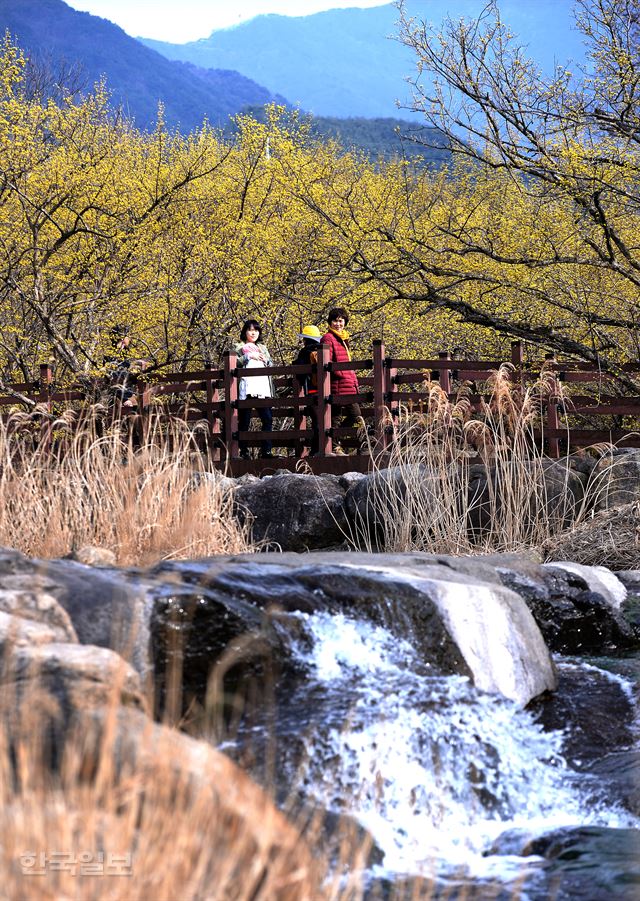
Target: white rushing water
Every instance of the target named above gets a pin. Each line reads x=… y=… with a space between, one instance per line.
x=432 y=767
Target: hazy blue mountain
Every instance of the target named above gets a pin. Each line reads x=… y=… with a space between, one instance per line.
x=137 y=76
x=342 y=62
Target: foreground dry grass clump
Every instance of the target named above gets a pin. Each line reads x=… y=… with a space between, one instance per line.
x=132 y=810
x=156 y=501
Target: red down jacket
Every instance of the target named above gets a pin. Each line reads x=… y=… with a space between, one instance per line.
x=341 y=382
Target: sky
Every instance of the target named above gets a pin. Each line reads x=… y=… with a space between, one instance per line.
x=179 y=21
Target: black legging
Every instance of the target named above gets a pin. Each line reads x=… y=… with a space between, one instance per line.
x=244 y=420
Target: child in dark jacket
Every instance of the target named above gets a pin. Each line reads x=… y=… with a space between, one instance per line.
x=308 y=356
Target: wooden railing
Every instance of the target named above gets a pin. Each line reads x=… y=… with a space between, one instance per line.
x=210 y=397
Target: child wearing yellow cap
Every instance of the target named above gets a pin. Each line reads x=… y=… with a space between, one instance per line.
x=308 y=356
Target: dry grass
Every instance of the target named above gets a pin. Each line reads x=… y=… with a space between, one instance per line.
x=156 y=501
x=135 y=811
x=610 y=538
x=435 y=499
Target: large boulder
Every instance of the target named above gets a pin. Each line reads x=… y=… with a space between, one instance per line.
x=395 y=506
x=387 y=507
x=577 y=608
x=78 y=678
x=294 y=512
x=457 y=623
x=553 y=488
x=615 y=479
x=29 y=596
x=109 y=608
x=48 y=688
x=181 y=817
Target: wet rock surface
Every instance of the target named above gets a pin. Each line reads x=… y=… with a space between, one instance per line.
x=592 y=711
x=588 y=863
x=572 y=617
x=108 y=608
x=458 y=624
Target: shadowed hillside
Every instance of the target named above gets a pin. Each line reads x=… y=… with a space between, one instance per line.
x=138 y=77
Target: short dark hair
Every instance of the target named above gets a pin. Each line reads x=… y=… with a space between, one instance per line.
x=251 y=323
x=336 y=313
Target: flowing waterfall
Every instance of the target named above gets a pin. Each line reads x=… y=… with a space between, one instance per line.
x=433 y=768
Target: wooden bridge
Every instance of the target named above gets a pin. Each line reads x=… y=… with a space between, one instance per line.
x=210 y=397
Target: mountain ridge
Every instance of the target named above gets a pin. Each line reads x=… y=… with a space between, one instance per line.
x=138 y=77
x=340 y=63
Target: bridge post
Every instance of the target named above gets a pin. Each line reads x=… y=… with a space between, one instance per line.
x=379 y=403
x=230 y=401
x=445 y=374
x=213 y=416
x=325 y=447
x=553 y=424
x=46 y=380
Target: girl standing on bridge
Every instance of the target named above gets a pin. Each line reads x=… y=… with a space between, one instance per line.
x=253 y=354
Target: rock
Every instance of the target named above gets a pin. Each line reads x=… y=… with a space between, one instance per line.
x=30 y=596
x=560 y=491
x=379 y=505
x=594 y=713
x=205 y=820
x=194 y=625
x=631 y=605
x=619 y=771
x=294 y=512
x=350 y=478
x=79 y=677
x=582 y=462
x=593 y=863
x=94 y=556
x=458 y=624
x=393 y=506
x=599 y=579
x=630 y=578
x=615 y=479
x=48 y=688
x=579 y=620
x=573 y=619
x=12 y=562
x=17 y=632
x=247 y=479
x=108 y=608
x=214 y=479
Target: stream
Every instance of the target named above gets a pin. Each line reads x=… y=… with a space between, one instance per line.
x=453 y=784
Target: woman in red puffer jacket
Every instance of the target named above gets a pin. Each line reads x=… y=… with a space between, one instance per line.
x=344 y=382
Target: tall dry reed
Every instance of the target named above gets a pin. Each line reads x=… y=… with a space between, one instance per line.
x=94 y=486
x=461 y=481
